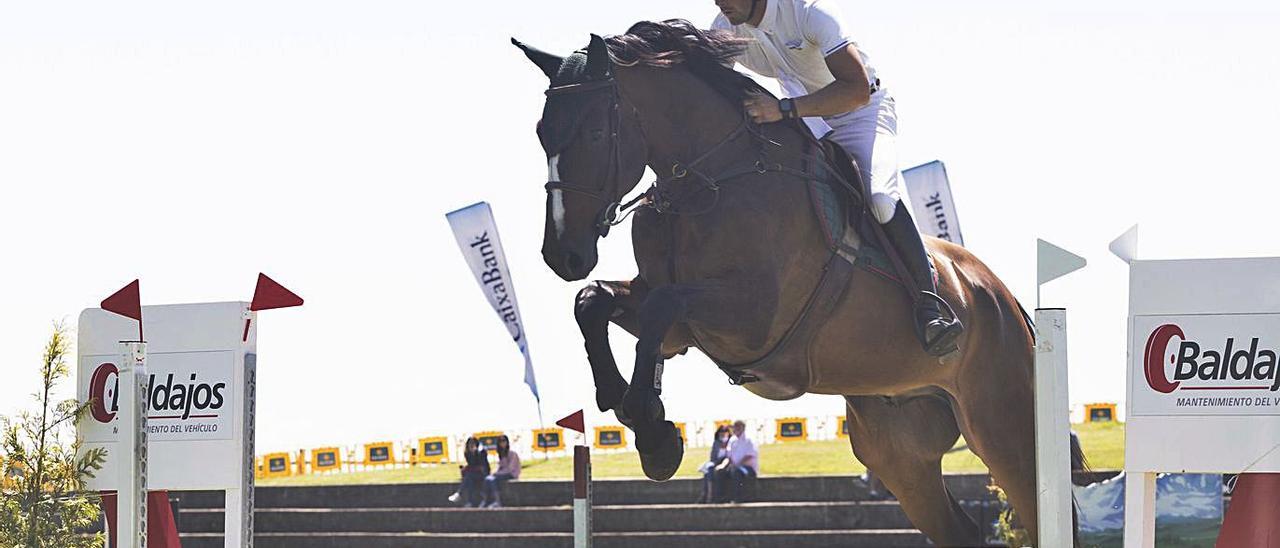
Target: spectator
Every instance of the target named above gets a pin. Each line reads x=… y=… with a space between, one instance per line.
x=508 y=469
x=473 y=474
x=743 y=463
x=719 y=453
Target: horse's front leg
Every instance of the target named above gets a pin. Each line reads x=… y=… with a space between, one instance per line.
x=710 y=304
x=596 y=305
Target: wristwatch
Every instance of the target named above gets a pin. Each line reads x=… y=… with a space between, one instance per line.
x=788 y=108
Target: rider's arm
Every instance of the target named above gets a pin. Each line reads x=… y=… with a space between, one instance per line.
x=824 y=27
x=850 y=91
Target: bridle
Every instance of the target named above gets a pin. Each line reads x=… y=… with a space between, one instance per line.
x=614 y=212
x=607 y=217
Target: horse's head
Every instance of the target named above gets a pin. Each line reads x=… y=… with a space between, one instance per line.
x=592 y=155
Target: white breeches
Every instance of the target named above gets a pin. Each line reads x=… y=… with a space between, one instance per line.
x=870 y=135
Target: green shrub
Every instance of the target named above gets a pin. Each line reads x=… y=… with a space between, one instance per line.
x=42 y=497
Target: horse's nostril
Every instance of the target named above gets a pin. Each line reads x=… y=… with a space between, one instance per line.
x=574 y=262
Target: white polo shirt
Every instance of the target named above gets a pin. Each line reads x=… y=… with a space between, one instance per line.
x=792 y=43
x=740 y=448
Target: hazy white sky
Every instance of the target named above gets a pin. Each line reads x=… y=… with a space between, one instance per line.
x=195 y=144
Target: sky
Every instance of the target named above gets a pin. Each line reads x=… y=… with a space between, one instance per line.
x=193 y=145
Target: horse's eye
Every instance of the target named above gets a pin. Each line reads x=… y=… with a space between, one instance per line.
x=597 y=134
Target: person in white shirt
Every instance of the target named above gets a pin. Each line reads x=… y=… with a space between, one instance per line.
x=743 y=462
x=833 y=87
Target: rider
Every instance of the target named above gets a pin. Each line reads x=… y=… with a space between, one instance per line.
x=834 y=88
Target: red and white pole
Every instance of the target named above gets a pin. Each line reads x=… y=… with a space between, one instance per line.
x=581 y=496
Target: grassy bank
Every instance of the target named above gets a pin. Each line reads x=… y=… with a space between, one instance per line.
x=1103 y=444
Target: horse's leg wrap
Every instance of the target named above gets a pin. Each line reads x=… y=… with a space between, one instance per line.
x=593 y=308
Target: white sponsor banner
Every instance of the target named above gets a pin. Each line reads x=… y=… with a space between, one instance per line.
x=1205 y=364
x=931 y=203
x=477 y=236
x=190 y=397
x=199 y=424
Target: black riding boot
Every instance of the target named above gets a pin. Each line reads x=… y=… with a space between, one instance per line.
x=937 y=331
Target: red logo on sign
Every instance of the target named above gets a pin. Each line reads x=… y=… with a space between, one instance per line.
x=1153 y=358
x=102 y=412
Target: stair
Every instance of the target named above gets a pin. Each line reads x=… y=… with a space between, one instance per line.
x=824 y=511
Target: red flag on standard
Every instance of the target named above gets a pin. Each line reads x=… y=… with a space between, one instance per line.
x=125 y=302
x=269 y=294
x=573 y=422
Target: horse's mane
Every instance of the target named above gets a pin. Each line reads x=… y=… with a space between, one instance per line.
x=708 y=54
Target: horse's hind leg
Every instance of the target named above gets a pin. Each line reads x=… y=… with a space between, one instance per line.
x=596 y=305
x=902 y=441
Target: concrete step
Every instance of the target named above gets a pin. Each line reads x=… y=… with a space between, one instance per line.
x=680 y=517
x=556 y=493
x=883 y=538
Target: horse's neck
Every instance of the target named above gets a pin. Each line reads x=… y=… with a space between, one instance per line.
x=682 y=116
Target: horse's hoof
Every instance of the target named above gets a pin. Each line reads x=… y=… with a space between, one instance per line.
x=642 y=406
x=661 y=450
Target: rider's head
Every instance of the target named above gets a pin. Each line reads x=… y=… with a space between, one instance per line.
x=741 y=11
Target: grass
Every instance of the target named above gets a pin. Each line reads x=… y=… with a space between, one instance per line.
x=1103 y=444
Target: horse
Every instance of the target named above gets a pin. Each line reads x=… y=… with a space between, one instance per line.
x=737 y=260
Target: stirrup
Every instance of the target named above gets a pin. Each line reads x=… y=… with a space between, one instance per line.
x=945 y=342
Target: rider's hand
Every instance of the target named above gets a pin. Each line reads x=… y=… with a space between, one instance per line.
x=762 y=109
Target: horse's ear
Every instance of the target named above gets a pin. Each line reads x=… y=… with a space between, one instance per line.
x=598 y=63
x=550 y=64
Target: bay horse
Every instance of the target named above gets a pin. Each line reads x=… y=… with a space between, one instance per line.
x=737 y=259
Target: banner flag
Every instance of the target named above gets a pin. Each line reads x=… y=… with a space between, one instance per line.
x=477 y=237
x=931 y=203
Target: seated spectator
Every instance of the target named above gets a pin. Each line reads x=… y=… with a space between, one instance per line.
x=508 y=469
x=719 y=454
x=473 y=474
x=743 y=463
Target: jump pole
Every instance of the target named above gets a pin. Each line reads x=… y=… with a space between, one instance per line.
x=131 y=496
x=131 y=476
x=581 y=496
x=581 y=481
x=1052 y=403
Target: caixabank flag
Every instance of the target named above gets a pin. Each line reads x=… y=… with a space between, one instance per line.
x=929 y=191
x=1206 y=364
x=477 y=235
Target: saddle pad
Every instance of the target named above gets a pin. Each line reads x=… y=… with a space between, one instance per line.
x=838 y=211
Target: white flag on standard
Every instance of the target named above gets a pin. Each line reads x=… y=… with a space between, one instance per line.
x=931 y=203
x=477 y=237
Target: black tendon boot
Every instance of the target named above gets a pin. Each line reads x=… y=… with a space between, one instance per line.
x=937 y=331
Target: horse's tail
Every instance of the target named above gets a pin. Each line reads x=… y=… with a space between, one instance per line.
x=1026 y=319
x=1079 y=463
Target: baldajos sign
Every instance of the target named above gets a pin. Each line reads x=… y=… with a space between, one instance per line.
x=1207 y=364
x=189 y=396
